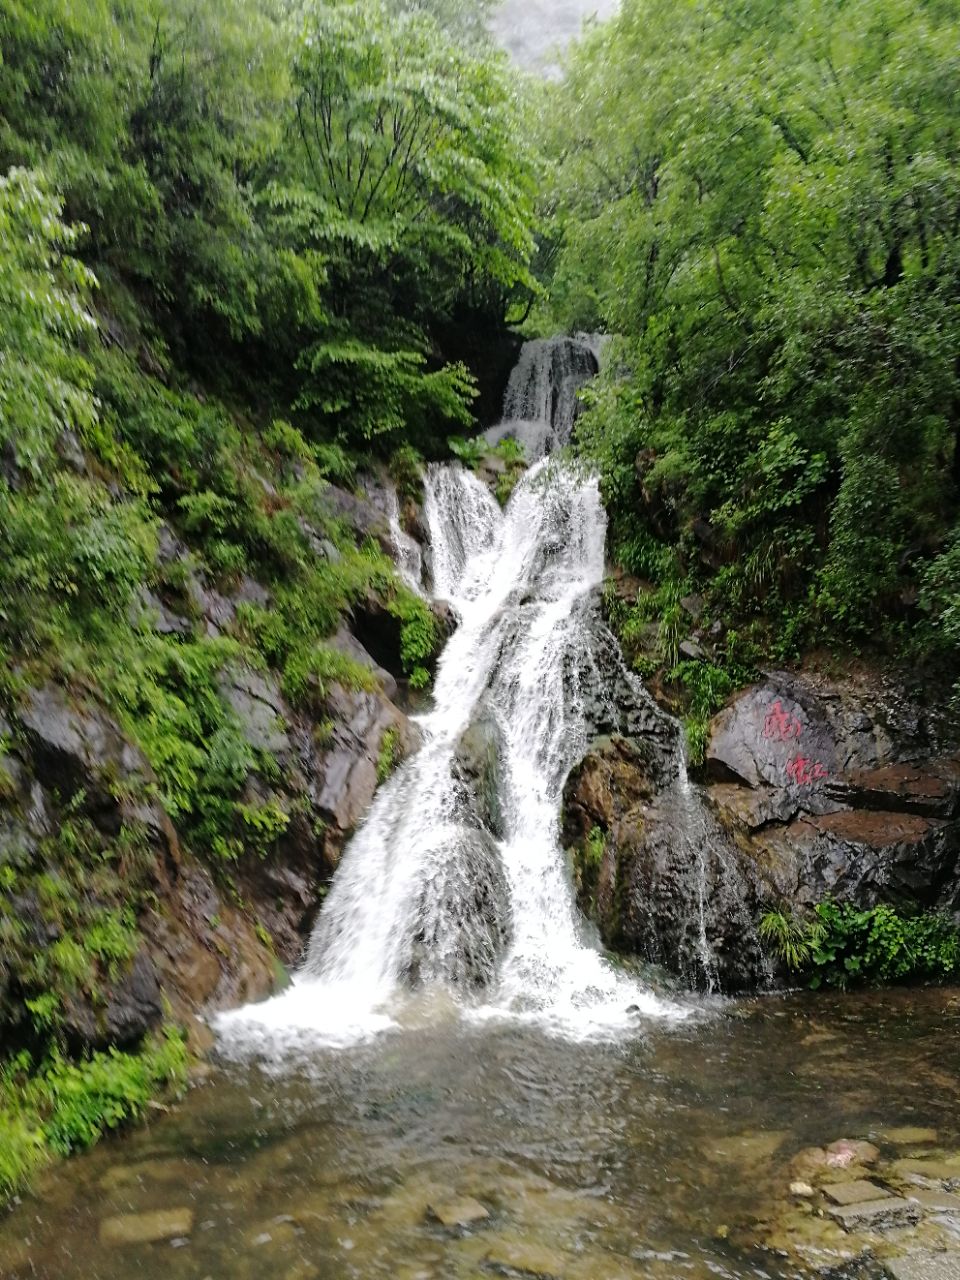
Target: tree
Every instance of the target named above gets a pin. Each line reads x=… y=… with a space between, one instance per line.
x=762 y=200
x=415 y=191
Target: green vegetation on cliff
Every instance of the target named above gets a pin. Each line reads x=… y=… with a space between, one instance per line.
x=763 y=202
x=234 y=238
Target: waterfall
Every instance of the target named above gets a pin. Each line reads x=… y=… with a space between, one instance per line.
x=406 y=550
x=457 y=882
x=541 y=400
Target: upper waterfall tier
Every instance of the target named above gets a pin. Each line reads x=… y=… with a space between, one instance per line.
x=540 y=405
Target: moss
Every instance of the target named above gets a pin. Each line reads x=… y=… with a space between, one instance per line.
x=390 y=753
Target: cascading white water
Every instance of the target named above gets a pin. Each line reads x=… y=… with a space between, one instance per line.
x=406 y=550
x=540 y=404
x=432 y=894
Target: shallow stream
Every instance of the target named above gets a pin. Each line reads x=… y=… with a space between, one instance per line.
x=665 y=1155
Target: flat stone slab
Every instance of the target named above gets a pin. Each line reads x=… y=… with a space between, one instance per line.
x=926 y=1266
x=935 y=1201
x=936 y=1168
x=146 y=1228
x=909 y=1136
x=528 y=1258
x=876 y=1215
x=458 y=1213
x=855 y=1192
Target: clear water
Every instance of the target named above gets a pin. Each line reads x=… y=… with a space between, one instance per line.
x=664 y=1156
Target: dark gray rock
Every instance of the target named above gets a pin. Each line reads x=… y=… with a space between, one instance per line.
x=76 y=743
x=249 y=591
x=655 y=874
x=477 y=767
x=363 y=516
x=344 y=777
x=125 y=1010
x=150 y=611
x=876 y=1215
x=925 y=1265
x=70 y=451
x=692 y=649
x=345 y=642
x=837 y=790
x=855 y=1192
x=259 y=706
x=464 y=924
x=773 y=735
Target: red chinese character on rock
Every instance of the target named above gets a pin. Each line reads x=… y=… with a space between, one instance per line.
x=804 y=771
x=799 y=769
x=780 y=724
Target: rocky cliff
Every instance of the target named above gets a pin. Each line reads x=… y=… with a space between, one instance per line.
x=813 y=788
x=192 y=933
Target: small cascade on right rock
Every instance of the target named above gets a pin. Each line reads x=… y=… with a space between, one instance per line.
x=655 y=869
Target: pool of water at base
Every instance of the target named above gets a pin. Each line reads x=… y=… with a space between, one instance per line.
x=663 y=1157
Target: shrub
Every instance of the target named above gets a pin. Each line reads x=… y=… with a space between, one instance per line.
x=842 y=945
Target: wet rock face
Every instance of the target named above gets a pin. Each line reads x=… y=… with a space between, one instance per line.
x=837 y=790
x=465 y=920
x=128 y=1009
x=476 y=766
x=654 y=874
x=199 y=950
x=813 y=789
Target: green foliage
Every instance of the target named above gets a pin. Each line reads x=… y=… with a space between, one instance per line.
x=419 y=638
x=706 y=687
x=389 y=755
x=471 y=452
x=595 y=847
x=512 y=454
x=54 y=1106
x=212 y=312
x=311 y=672
x=406 y=470
x=474 y=451
x=78 y=892
x=842 y=946
x=264 y=824
x=761 y=200
x=413 y=187
x=44 y=381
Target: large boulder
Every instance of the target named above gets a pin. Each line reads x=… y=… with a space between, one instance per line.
x=838 y=788
x=653 y=871
x=464 y=923
x=126 y=1009
x=477 y=767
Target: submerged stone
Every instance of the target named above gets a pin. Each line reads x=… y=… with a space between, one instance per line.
x=926 y=1266
x=855 y=1192
x=876 y=1215
x=527 y=1258
x=847 y=1151
x=146 y=1228
x=458 y=1213
x=908 y=1136
x=944 y=1169
x=935 y=1201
